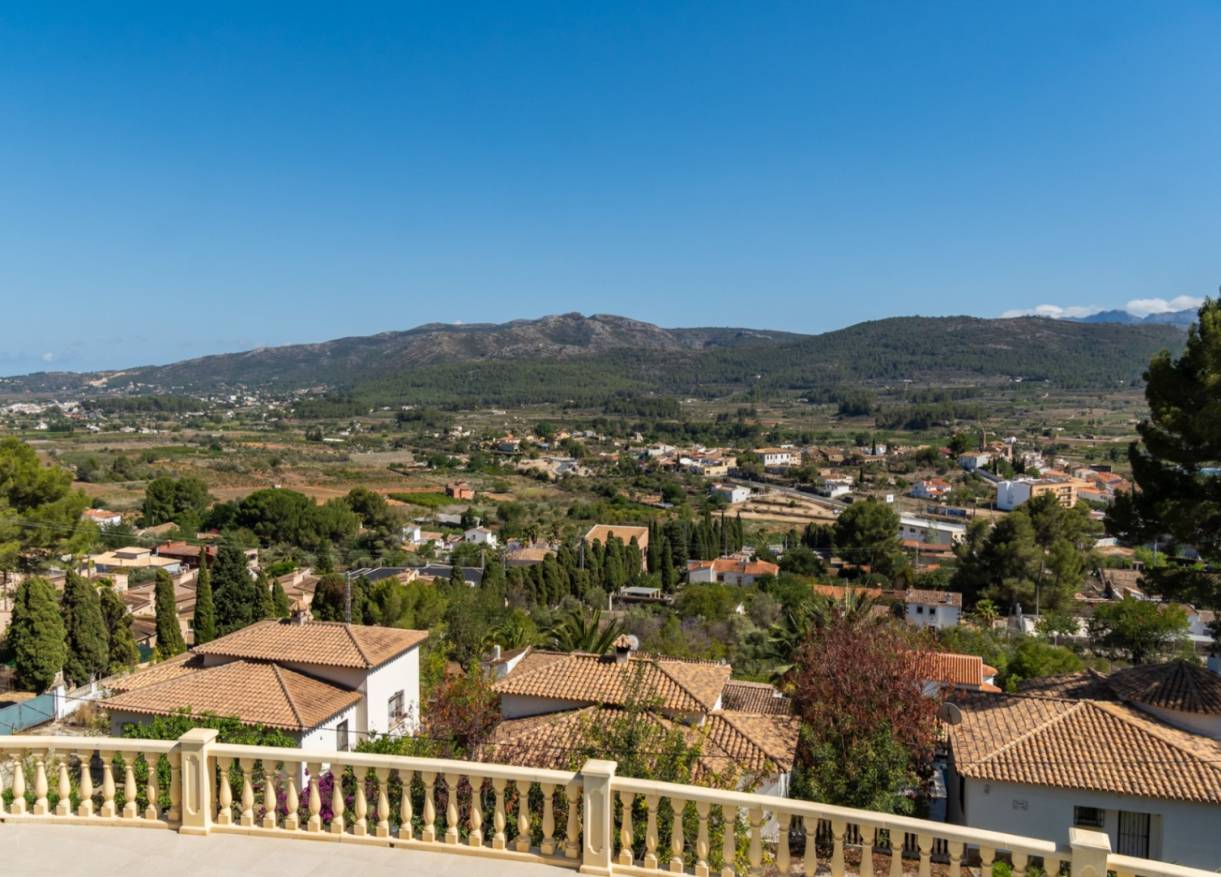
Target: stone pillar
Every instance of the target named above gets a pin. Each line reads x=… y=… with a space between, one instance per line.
x=198 y=780
x=1090 y=851
x=598 y=807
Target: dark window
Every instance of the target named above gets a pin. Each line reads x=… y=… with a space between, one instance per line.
x=341 y=736
x=1133 y=837
x=1088 y=817
x=394 y=707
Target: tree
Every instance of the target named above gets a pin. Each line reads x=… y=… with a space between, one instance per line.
x=1034 y=658
x=1000 y=564
x=36 y=635
x=122 y=652
x=867 y=533
x=581 y=631
x=868 y=729
x=1138 y=628
x=88 y=651
x=181 y=500
x=204 y=621
x=1175 y=464
x=267 y=604
x=279 y=601
x=234 y=592
x=169 y=633
x=40 y=514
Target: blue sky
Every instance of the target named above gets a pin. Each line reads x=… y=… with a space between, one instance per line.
x=175 y=182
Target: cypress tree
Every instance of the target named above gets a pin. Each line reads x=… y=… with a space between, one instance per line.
x=169 y=634
x=267 y=606
x=668 y=577
x=88 y=650
x=455 y=576
x=233 y=591
x=204 y=621
x=279 y=600
x=632 y=560
x=123 y=652
x=36 y=635
x=494 y=574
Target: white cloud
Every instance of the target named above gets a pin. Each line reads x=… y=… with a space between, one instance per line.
x=1143 y=307
x=1056 y=312
x=48 y=357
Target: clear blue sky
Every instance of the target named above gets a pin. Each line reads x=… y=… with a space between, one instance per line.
x=178 y=182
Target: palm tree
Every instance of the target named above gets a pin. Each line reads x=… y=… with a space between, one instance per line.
x=579 y=631
x=787 y=636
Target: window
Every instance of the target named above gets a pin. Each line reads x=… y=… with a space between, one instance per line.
x=1088 y=817
x=341 y=736
x=394 y=707
x=919 y=610
x=1133 y=837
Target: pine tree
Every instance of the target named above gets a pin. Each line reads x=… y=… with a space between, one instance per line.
x=123 y=652
x=36 y=635
x=279 y=600
x=233 y=591
x=169 y=633
x=88 y=650
x=204 y=622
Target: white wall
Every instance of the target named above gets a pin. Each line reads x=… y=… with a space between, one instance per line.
x=939 y=616
x=325 y=737
x=401 y=674
x=1179 y=832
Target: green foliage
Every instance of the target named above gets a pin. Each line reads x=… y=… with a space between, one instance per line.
x=280 y=516
x=870 y=772
x=122 y=652
x=169 y=632
x=36 y=635
x=580 y=631
x=40 y=514
x=235 y=593
x=181 y=500
x=1139 y=629
x=867 y=533
x=88 y=652
x=280 y=607
x=229 y=729
x=204 y=621
x=427 y=500
x=1034 y=658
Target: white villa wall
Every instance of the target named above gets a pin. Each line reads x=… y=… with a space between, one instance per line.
x=325 y=737
x=1179 y=832
x=939 y=616
x=1197 y=723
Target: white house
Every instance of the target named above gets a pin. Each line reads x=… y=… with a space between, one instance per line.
x=104 y=518
x=974 y=460
x=730 y=570
x=931 y=488
x=931 y=532
x=833 y=487
x=480 y=536
x=1136 y=755
x=936 y=609
x=731 y=493
x=779 y=458
x=326 y=684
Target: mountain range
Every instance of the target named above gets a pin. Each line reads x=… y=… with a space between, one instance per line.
x=1182 y=318
x=574 y=357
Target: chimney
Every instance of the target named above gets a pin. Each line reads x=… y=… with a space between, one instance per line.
x=300 y=617
x=624 y=645
x=495 y=652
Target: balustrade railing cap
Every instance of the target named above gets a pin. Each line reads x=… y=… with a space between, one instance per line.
x=597 y=767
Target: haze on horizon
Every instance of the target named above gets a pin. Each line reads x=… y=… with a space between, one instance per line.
x=182 y=182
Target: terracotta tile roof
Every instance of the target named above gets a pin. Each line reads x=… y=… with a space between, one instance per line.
x=840 y=592
x=623 y=532
x=1085 y=685
x=172 y=668
x=687 y=686
x=1177 y=685
x=942 y=598
x=1083 y=744
x=735 y=565
x=755 y=697
x=965 y=671
x=329 y=643
x=754 y=744
x=256 y=693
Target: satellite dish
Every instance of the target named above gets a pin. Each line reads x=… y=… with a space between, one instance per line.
x=949 y=713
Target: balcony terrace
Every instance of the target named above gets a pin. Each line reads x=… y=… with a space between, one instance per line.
x=215 y=807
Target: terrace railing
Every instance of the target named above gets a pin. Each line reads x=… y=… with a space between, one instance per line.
x=590 y=819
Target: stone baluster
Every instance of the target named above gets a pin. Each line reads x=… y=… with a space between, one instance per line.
x=756 y=841
x=108 y=805
x=428 y=833
x=837 y=847
x=270 y=802
x=626 y=799
x=729 y=841
x=360 y=808
x=383 y=801
x=131 y=807
x=406 y=830
x=498 y=816
x=1020 y=860
x=41 y=805
x=523 y=815
x=986 y=856
x=152 y=787
x=956 y=849
x=63 y=807
x=292 y=798
x=1051 y=866
x=897 y=838
x=246 y=766
x=85 y=789
x=572 y=845
x=701 y=840
x=547 y=847
x=224 y=811
x=338 y=805
x=924 y=843
x=650 y=831
x=315 y=798
x=809 y=856
x=475 y=838
x=18 y=784
x=867 y=834
x=676 y=836
x=174 y=814
x=451 y=808
x=783 y=862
